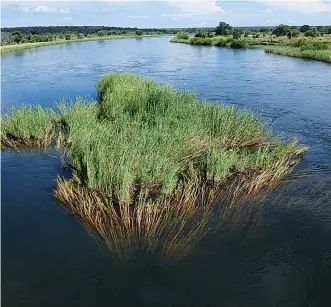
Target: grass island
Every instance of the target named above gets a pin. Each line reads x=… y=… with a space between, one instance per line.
x=149 y=161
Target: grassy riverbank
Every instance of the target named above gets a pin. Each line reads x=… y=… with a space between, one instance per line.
x=18 y=47
x=148 y=162
x=308 y=48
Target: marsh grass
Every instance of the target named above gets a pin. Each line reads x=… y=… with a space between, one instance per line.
x=308 y=48
x=149 y=163
x=320 y=55
x=28 y=126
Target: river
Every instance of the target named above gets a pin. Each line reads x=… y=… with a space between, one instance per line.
x=49 y=259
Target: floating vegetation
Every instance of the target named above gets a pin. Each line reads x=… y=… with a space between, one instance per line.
x=150 y=165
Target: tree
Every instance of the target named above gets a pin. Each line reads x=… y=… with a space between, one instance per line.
x=294 y=33
x=264 y=30
x=313 y=32
x=222 y=27
x=246 y=33
x=281 y=30
x=139 y=32
x=18 y=36
x=201 y=33
x=181 y=35
x=67 y=36
x=304 y=28
x=237 y=33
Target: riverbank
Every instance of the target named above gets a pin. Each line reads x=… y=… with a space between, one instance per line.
x=314 y=49
x=18 y=47
x=149 y=161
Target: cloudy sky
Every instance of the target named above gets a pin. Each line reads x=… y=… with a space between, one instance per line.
x=172 y=13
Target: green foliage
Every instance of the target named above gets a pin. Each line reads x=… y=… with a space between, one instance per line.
x=201 y=41
x=293 y=33
x=139 y=32
x=313 y=32
x=246 y=33
x=281 y=30
x=182 y=35
x=304 y=28
x=28 y=122
x=210 y=35
x=201 y=33
x=142 y=135
x=223 y=29
x=239 y=43
x=221 y=42
x=18 y=36
x=237 y=33
x=67 y=36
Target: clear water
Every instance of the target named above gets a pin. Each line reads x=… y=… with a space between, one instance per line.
x=48 y=258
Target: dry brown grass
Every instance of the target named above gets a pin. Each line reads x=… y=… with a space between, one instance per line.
x=168 y=226
x=20 y=143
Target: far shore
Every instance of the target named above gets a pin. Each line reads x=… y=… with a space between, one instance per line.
x=18 y=47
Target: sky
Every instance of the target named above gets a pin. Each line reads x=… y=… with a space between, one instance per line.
x=158 y=14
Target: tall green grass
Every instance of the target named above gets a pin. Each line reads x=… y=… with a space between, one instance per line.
x=150 y=163
x=29 y=126
x=145 y=136
x=319 y=55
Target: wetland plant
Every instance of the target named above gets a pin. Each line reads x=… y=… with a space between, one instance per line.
x=150 y=164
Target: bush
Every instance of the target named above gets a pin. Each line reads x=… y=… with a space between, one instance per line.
x=305 y=44
x=312 y=33
x=201 y=41
x=139 y=32
x=67 y=36
x=221 y=42
x=201 y=33
x=238 y=44
x=237 y=33
x=182 y=36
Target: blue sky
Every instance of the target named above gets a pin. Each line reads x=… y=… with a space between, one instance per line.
x=172 y=13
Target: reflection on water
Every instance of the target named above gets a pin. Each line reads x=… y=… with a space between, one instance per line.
x=275 y=252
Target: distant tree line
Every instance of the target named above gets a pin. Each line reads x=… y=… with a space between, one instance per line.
x=45 y=34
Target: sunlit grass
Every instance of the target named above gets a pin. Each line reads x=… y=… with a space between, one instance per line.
x=149 y=162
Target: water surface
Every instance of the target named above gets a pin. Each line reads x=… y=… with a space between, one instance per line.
x=48 y=259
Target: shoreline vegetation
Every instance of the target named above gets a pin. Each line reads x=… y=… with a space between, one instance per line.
x=153 y=167
x=304 y=42
x=24 y=46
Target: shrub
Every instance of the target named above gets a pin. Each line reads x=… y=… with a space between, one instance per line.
x=139 y=32
x=237 y=33
x=221 y=42
x=201 y=41
x=201 y=33
x=182 y=36
x=238 y=44
x=67 y=36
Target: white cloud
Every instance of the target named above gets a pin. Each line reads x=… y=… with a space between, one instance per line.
x=66 y=18
x=302 y=6
x=43 y=9
x=197 y=7
x=139 y=17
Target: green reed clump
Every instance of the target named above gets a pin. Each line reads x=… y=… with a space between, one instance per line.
x=148 y=137
x=150 y=163
x=28 y=126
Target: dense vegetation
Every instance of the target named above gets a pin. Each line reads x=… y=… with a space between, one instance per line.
x=148 y=159
x=306 y=42
x=46 y=34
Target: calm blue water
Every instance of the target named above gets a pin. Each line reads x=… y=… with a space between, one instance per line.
x=48 y=258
